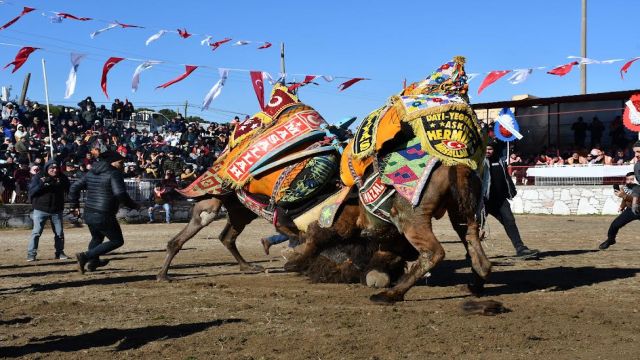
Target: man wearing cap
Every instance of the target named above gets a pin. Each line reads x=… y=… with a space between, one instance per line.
x=106 y=191
x=497 y=187
x=46 y=194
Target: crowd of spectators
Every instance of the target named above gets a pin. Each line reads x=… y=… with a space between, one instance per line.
x=175 y=154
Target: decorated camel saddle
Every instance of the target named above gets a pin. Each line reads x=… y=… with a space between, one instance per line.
x=396 y=147
x=281 y=160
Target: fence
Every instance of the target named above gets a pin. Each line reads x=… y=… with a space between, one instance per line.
x=139 y=190
x=568 y=175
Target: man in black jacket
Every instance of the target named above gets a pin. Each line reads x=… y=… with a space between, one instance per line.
x=46 y=194
x=105 y=192
x=497 y=187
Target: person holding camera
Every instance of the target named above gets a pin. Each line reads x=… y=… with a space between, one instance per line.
x=626 y=213
x=46 y=193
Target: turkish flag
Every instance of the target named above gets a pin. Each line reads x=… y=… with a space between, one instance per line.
x=183 y=33
x=266 y=45
x=626 y=66
x=21 y=58
x=307 y=79
x=124 y=26
x=188 y=70
x=105 y=69
x=563 y=69
x=25 y=10
x=347 y=84
x=215 y=45
x=69 y=16
x=491 y=78
x=258 y=86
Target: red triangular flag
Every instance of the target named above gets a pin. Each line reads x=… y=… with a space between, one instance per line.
x=563 y=69
x=124 y=26
x=265 y=46
x=347 y=84
x=21 y=58
x=626 y=66
x=69 y=16
x=491 y=78
x=215 y=45
x=307 y=79
x=183 y=33
x=25 y=10
x=258 y=86
x=188 y=70
x=111 y=62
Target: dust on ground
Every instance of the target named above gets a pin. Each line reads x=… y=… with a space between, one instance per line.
x=573 y=303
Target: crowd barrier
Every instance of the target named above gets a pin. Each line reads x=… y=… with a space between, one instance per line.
x=139 y=190
x=561 y=175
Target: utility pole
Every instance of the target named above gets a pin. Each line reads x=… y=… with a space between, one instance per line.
x=282 y=68
x=186 y=104
x=25 y=87
x=583 y=67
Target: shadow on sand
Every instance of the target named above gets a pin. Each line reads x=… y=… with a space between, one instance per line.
x=515 y=281
x=126 y=339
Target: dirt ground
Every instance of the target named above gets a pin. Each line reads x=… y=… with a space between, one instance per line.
x=573 y=303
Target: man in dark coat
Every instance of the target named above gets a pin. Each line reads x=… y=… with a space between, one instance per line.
x=105 y=192
x=46 y=193
x=497 y=188
x=630 y=194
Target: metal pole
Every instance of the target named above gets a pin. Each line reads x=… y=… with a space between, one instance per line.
x=583 y=67
x=25 y=87
x=186 y=103
x=282 y=67
x=46 y=97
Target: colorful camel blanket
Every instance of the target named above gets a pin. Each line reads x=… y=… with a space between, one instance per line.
x=281 y=99
x=294 y=127
x=407 y=170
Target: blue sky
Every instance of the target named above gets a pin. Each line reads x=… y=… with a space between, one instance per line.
x=382 y=40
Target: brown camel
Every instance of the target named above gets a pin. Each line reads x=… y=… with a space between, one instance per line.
x=452 y=189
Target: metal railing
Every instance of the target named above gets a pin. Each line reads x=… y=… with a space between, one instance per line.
x=139 y=190
x=568 y=175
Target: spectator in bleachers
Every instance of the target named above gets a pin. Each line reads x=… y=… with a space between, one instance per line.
x=579 y=129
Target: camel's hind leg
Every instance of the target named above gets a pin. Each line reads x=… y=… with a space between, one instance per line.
x=238 y=217
x=202 y=215
x=466 y=188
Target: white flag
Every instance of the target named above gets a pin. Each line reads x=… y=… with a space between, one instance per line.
x=241 y=42
x=71 y=81
x=136 y=74
x=471 y=76
x=98 y=32
x=266 y=76
x=206 y=40
x=519 y=76
x=155 y=37
x=327 y=78
x=216 y=89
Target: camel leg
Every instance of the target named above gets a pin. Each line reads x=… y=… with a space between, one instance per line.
x=480 y=264
x=420 y=235
x=239 y=217
x=202 y=215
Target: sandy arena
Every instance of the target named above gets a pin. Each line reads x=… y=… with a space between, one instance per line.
x=574 y=303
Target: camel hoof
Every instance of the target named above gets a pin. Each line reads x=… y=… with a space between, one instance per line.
x=384 y=299
x=291 y=266
x=476 y=289
x=251 y=268
x=163 y=278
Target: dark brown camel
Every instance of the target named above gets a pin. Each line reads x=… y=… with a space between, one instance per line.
x=452 y=189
